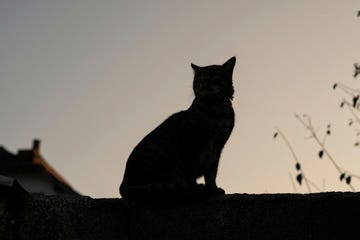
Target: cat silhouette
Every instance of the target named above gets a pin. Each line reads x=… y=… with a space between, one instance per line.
x=166 y=163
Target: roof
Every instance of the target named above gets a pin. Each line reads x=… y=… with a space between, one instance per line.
x=10 y=185
x=32 y=159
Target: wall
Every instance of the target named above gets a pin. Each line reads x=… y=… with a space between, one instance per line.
x=237 y=216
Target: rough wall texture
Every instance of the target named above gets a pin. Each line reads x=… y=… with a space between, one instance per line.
x=235 y=216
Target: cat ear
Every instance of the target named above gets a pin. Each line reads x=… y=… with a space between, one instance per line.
x=195 y=67
x=229 y=65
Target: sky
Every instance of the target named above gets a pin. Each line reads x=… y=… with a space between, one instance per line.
x=92 y=78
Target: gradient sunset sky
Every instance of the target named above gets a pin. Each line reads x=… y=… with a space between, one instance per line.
x=92 y=78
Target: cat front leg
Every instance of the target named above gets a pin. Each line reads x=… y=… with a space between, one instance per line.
x=210 y=178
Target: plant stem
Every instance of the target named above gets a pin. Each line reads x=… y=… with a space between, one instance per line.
x=351 y=91
x=352 y=111
x=294 y=156
x=292 y=182
x=313 y=184
x=313 y=134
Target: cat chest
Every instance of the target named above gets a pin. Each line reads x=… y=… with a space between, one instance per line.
x=217 y=129
x=214 y=142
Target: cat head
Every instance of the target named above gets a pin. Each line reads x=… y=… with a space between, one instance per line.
x=214 y=83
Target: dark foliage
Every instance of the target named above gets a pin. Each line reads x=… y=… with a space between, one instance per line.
x=299 y=178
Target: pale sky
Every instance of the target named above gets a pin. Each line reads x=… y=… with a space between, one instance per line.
x=92 y=78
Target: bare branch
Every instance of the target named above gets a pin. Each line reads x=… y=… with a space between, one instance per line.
x=310 y=128
x=294 y=156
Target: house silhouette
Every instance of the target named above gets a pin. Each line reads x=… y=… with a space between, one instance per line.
x=32 y=171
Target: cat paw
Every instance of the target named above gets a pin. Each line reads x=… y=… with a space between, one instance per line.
x=216 y=191
x=200 y=188
x=202 y=192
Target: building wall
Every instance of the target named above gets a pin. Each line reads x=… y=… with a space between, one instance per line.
x=236 y=216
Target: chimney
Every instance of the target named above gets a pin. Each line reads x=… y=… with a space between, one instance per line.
x=36 y=145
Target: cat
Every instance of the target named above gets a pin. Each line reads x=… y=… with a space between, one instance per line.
x=168 y=161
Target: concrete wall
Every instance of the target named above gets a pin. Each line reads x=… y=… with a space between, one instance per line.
x=236 y=216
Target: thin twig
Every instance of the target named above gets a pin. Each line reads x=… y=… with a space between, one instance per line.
x=294 y=156
x=350 y=91
x=352 y=174
x=288 y=144
x=293 y=183
x=350 y=107
x=313 y=184
x=310 y=127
